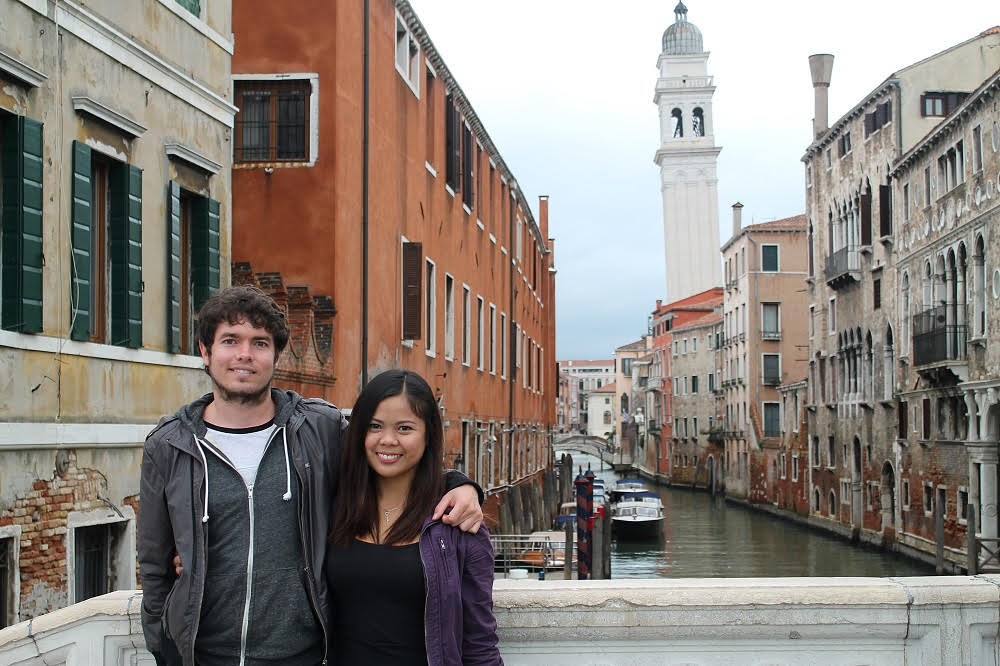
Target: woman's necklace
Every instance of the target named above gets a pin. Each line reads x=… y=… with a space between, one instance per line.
x=387 y=512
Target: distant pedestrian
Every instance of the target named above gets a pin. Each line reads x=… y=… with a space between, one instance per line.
x=239 y=486
x=405 y=588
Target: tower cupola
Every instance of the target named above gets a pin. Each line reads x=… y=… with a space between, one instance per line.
x=682 y=37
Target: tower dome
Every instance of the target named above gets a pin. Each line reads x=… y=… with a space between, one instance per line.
x=682 y=37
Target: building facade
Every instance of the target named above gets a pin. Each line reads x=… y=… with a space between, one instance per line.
x=115 y=140
x=417 y=230
x=687 y=157
x=764 y=265
x=696 y=405
x=948 y=289
x=874 y=294
x=585 y=377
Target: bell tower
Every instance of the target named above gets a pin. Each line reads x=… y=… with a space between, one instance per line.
x=687 y=159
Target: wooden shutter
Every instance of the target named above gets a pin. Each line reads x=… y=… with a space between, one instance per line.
x=81 y=235
x=468 y=166
x=885 y=210
x=173 y=267
x=453 y=143
x=22 y=225
x=866 y=218
x=126 y=255
x=413 y=255
x=204 y=250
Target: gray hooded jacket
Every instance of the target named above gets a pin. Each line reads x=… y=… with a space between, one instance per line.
x=304 y=456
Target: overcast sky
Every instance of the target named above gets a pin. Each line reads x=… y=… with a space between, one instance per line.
x=565 y=90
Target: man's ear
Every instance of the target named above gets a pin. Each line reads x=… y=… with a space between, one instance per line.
x=206 y=354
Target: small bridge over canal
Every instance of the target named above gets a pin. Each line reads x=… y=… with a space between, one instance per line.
x=594 y=446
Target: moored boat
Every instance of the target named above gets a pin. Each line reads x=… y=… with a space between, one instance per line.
x=639 y=515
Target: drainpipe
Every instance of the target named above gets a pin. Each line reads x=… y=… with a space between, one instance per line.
x=512 y=328
x=365 y=94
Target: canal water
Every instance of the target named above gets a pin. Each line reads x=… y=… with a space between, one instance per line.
x=706 y=537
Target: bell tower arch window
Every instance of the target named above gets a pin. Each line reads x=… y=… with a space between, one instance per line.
x=676 y=126
x=698 y=122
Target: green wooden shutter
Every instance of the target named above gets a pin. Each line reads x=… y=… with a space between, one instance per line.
x=21 y=308
x=126 y=255
x=204 y=250
x=81 y=220
x=173 y=267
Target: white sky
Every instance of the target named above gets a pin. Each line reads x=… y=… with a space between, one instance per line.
x=565 y=90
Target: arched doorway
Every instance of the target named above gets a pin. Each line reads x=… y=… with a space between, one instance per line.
x=857 y=497
x=888 y=498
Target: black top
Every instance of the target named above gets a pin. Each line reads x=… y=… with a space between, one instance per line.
x=377 y=599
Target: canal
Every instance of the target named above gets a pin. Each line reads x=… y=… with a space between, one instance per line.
x=706 y=537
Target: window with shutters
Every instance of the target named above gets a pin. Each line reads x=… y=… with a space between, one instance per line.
x=493 y=339
x=466 y=325
x=844 y=144
x=468 y=168
x=977 y=149
x=504 y=359
x=452 y=144
x=876 y=293
x=21 y=227
x=772 y=424
x=865 y=201
x=772 y=369
x=106 y=257
x=769 y=258
x=480 y=332
x=274 y=119
x=193 y=263
x=407 y=56
x=939 y=104
x=925 y=418
x=412 y=289
x=771 y=321
x=430 y=307
x=449 y=317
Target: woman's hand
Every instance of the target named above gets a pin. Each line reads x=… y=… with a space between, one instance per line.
x=465 y=512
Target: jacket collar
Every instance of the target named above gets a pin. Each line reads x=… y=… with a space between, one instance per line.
x=287 y=413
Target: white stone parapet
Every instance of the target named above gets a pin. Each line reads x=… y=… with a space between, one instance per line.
x=925 y=620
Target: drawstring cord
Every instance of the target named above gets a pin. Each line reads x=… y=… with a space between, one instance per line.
x=204 y=462
x=288 y=468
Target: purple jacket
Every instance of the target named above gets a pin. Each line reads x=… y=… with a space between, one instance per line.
x=459 y=626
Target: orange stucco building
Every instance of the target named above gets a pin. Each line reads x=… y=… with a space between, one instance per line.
x=362 y=171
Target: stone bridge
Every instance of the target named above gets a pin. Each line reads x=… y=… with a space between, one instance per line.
x=594 y=446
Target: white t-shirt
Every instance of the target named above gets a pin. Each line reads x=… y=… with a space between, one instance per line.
x=244 y=447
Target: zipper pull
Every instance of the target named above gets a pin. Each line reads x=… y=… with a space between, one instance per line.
x=442 y=544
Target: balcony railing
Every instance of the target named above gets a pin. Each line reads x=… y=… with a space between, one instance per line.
x=770 y=335
x=935 y=339
x=772 y=380
x=843 y=267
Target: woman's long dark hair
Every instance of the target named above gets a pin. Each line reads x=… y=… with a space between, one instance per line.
x=356 y=512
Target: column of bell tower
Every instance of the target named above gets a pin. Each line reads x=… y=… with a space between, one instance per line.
x=687 y=158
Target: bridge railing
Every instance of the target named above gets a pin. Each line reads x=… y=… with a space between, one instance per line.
x=927 y=620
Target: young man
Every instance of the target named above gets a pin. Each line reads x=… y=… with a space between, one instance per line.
x=239 y=484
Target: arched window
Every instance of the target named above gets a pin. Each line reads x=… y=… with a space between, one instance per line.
x=676 y=126
x=698 y=122
x=816 y=500
x=904 y=313
x=833 y=503
x=888 y=365
x=979 y=287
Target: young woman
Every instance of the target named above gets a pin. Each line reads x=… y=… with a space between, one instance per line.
x=405 y=589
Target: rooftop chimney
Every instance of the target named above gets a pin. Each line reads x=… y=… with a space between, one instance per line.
x=737 y=219
x=821 y=67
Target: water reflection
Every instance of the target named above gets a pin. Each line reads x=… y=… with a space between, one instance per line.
x=708 y=538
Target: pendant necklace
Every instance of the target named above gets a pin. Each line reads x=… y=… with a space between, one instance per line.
x=389 y=511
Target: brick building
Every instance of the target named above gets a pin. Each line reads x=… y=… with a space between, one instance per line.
x=115 y=130
x=948 y=187
x=881 y=270
x=365 y=173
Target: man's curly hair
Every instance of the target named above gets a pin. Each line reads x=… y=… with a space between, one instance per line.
x=239 y=304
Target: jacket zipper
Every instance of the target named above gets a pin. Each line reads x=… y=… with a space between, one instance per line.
x=306 y=551
x=246 y=603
